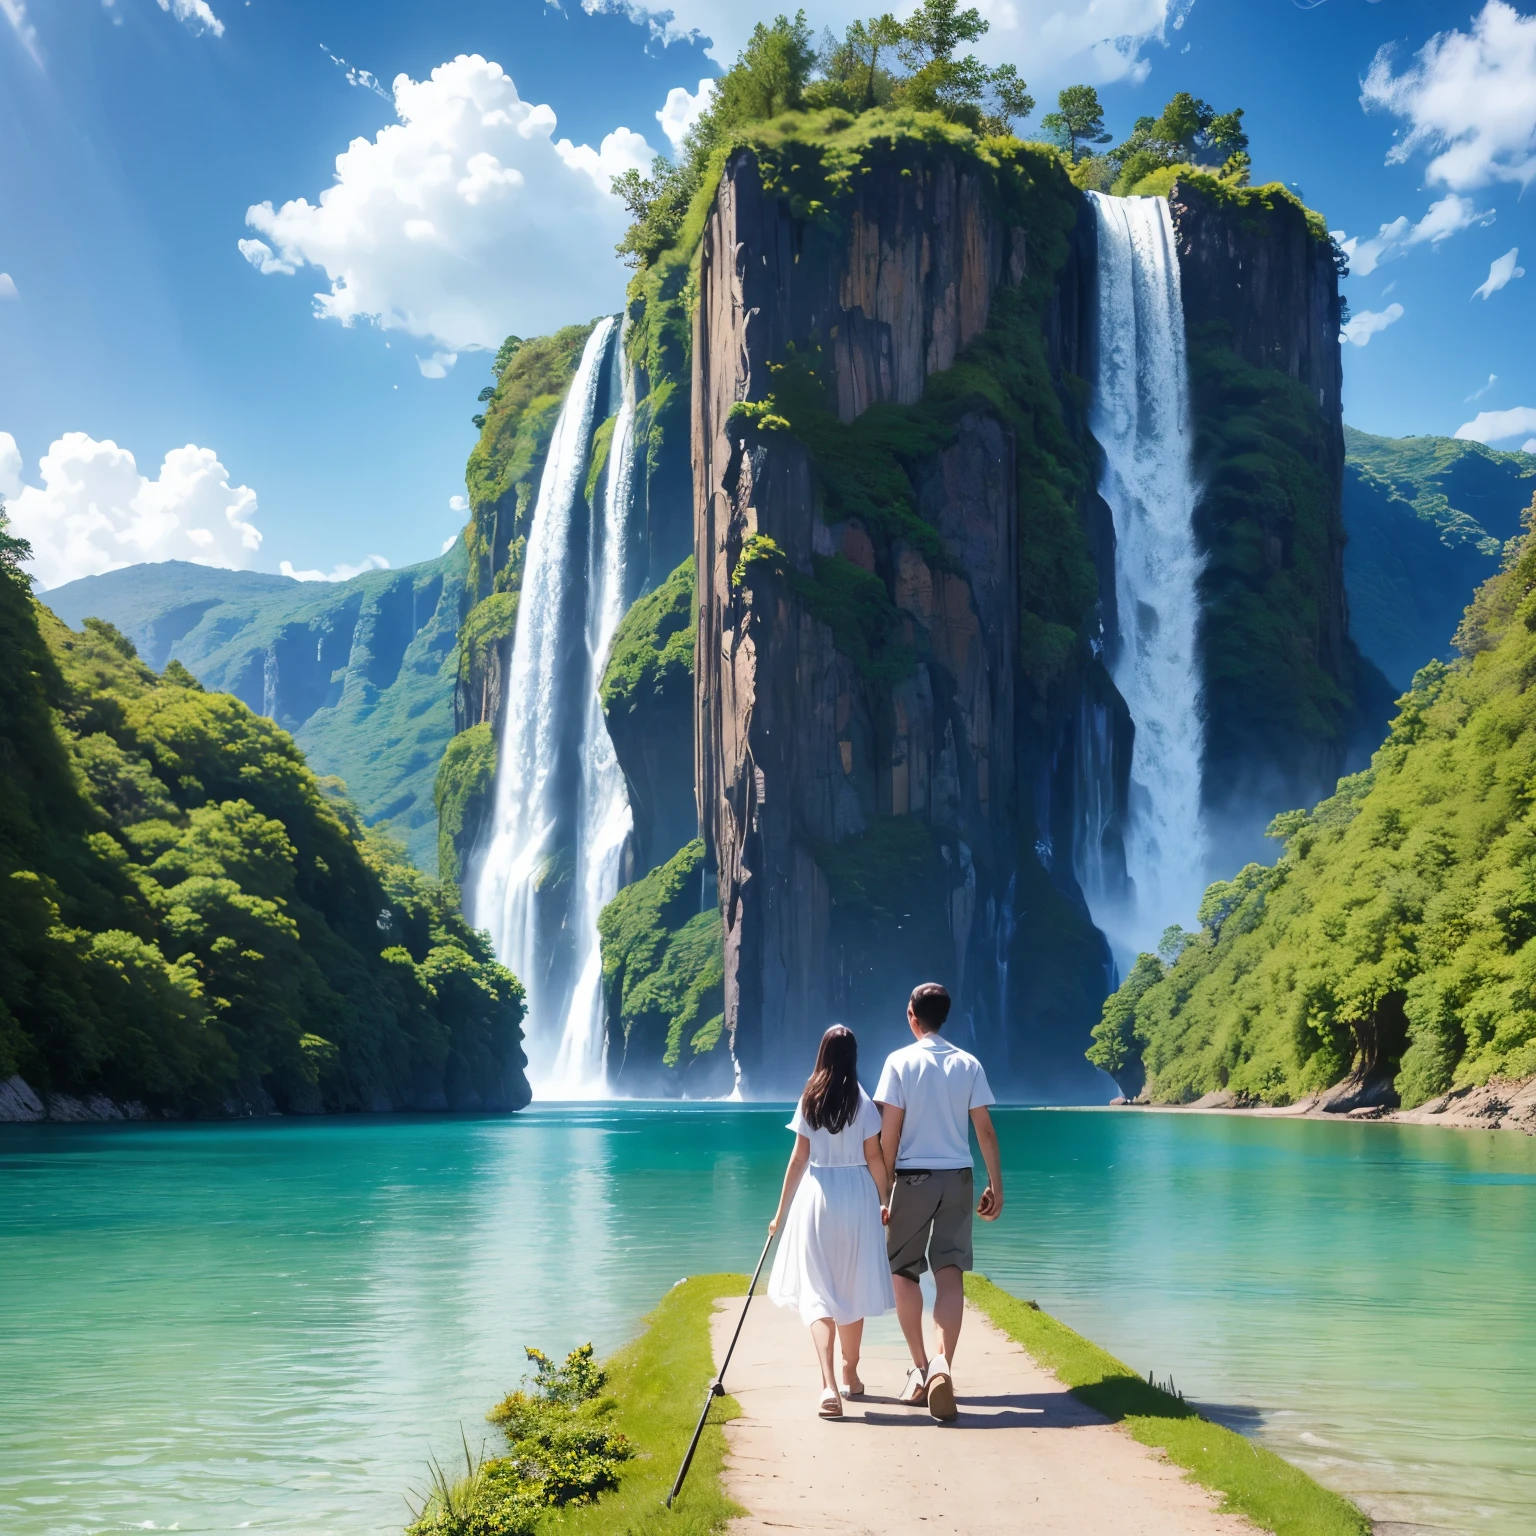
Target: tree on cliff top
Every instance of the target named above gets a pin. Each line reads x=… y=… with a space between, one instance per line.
x=1187 y=132
x=1077 y=122
x=779 y=71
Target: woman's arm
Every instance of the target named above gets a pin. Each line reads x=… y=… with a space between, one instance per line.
x=798 y=1160
x=876 y=1160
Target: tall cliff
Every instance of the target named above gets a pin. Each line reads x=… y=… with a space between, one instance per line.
x=895 y=542
x=1290 y=703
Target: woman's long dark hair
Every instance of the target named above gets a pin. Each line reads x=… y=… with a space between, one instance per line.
x=831 y=1098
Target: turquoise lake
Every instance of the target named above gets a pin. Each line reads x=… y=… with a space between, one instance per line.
x=268 y=1326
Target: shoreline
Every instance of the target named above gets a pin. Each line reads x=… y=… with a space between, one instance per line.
x=1499 y=1105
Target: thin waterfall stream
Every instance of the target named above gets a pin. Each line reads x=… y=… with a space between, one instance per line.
x=1141 y=419
x=561 y=813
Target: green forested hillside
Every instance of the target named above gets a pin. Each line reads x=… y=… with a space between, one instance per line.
x=1396 y=936
x=360 y=671
x=1426 y=519
x=190 y=918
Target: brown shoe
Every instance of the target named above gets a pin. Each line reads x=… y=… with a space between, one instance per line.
x=941 y=1392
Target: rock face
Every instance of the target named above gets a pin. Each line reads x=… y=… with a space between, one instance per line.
x=1290 y=704
x=821 y=775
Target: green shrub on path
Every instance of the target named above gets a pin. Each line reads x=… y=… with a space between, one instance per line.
x=593 y=1449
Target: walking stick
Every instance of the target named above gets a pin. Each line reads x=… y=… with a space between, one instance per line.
x=716 y=1388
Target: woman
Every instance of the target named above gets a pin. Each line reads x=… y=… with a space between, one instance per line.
x=831 y=1265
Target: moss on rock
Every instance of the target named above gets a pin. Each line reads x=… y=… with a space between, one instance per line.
x=663 y=978
x=652 y=650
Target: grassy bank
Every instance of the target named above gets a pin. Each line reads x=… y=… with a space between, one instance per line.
x=638 y=1425
x=1253 y=1481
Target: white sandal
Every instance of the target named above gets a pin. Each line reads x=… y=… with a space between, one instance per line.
x=915 y=1393
x=853 y=1388
x=831 y=1404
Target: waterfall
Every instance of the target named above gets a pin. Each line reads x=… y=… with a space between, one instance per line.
x=1141 y=419
x=561 y=813
x=603 y=810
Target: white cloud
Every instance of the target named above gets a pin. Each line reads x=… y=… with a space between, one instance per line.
x=1443 y=219
x=95 y=512
x=620 y=151
x=1498 y=426
x=462 y=222
x=8 y=286
x=681 y=111
x=437 y=366
x=1529 y=446
x=197 y=15
x=458 y=504
x=365 y=79
x=15 y=12
x=1470 y=99
x=1052 y=41
x=261 y=256
x=1478 y=394
x=1359 y=329
x=448 y=543
x=1501 y=272
x=342 y=572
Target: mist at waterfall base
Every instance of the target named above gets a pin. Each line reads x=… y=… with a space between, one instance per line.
x=561 y=815
x=1144 y=864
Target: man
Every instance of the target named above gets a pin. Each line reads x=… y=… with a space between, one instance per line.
x=929 y=1096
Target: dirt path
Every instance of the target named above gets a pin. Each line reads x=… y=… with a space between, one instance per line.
x=1024 y=1455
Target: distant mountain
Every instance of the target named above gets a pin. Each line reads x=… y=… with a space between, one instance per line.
x=361 y=671
x=1427 y=519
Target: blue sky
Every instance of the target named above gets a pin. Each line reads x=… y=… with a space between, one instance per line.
x=143 y=137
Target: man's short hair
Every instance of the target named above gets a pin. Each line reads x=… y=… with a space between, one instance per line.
x=930 y=1005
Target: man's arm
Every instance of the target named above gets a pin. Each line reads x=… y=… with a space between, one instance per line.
x=890 y=1140
x=990 y=1206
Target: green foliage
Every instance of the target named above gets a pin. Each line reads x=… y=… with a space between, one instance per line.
x=189 y=916
x=502 y=475
x=652 y=651
x=866 y=626
x=1427 y=518
x=1253 y=1482
x=664 y=970
x=465 y=779
x=654 y=1388
x=361 y=672
x=1187 y=133
x=1396 y=932
x=562 y=1451
x=760 y=555
x=1077 y=121
x=1268 y=523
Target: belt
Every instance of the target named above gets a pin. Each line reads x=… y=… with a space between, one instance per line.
x=928 y=1173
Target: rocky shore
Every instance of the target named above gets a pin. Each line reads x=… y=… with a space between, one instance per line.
x=1499 y=1105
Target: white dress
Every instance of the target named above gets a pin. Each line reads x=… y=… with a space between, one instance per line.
x=831 y=1260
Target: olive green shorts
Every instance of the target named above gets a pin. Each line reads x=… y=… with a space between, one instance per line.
x=930 y=1221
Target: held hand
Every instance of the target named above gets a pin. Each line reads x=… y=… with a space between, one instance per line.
x=990 y=1206
x=885 y=1215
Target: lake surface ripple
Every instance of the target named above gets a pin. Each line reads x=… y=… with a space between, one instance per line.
x=268 y=1326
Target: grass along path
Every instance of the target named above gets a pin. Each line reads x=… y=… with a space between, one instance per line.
x=1253 y=1481
x=656 y=1386
x=659 y=1381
